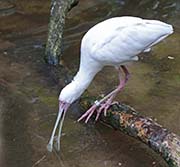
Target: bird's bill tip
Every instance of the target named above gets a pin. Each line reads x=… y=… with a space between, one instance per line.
x=49 y=147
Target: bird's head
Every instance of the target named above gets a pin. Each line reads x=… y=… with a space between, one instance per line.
x=71 y=92
x=67 y=96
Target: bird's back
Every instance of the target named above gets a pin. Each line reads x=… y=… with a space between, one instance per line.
x=118 y=40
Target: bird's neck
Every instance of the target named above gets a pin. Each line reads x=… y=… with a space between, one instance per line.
x=83 y=79
x=80 y=82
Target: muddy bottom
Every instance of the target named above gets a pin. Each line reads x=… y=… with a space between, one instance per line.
x=29 y=90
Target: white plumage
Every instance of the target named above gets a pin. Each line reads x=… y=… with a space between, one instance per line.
x=113 y=42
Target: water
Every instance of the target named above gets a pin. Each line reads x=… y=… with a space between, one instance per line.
x=29 y=89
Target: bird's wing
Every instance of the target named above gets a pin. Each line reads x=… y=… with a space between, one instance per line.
x=123 y=38
x=104 y=32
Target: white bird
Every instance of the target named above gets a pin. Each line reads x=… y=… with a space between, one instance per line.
x=113 y=42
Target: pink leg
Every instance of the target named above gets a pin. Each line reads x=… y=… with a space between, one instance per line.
x=107 y=100
x=122 y=82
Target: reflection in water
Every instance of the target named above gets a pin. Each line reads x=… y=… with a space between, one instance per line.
x=29 y=89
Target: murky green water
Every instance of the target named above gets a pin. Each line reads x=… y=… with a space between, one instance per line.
x=29 y=89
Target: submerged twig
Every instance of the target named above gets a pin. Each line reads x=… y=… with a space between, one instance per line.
x=39 y=161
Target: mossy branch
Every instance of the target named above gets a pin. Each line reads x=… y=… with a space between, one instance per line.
x=158 y=138
x=59 y=10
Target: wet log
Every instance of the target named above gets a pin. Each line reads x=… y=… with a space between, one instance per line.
x=124 y=118
x=59 y=10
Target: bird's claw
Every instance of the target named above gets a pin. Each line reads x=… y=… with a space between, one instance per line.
x=88 y=114
x=103 y=107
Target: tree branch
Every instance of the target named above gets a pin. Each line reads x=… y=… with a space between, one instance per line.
x=59 y=10
x=158 y=138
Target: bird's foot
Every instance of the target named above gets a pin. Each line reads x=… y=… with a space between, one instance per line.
x=104 y=107
x=88 y=113
x=98 y=108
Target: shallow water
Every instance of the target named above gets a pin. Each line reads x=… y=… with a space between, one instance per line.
x=29 y=89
